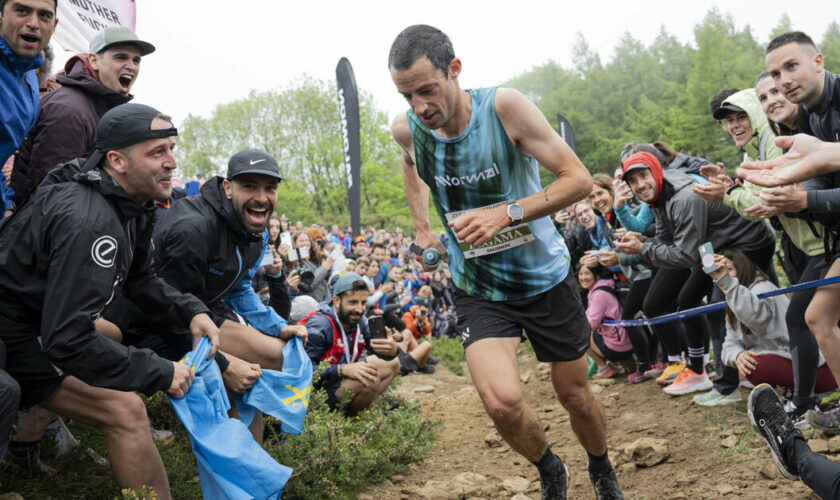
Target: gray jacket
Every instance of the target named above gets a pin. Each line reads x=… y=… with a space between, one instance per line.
x=684 y=221
x=764 y=317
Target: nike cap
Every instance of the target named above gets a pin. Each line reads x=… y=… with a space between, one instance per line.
x=253 y=161
x=123 y=126
x=113 y=35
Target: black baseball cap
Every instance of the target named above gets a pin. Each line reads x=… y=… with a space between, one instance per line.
x=253 y=161
x=123 y=126
x=725 y=109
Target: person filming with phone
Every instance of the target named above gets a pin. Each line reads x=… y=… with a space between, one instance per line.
x=340 y=339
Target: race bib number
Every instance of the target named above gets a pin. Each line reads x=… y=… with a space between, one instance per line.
x=509 y=237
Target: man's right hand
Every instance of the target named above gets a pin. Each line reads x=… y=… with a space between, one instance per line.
x=365 y=373
x=241 y=375
x=181 y=380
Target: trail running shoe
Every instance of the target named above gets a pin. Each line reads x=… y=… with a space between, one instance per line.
x=606 y=486
x=770 y=420
x=606 y=372
x=714 y=398
x=671 y=370
x=556 y=483
x=687 y=382
x=638 y=376
x=826 y=421
x=656 y=369
x=162 y=436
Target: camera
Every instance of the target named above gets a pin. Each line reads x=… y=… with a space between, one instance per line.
x=431 y=257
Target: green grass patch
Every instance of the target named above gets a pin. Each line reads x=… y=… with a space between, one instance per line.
x=451 y=352
x=744 y=443
x=334 y=457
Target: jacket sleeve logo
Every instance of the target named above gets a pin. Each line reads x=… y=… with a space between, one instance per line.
x=104 y=250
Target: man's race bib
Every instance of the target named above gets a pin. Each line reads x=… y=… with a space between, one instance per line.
x=507 y=238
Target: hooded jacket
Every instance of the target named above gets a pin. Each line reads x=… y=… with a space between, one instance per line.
x=19 y=105
x=764 y=317
x=66 y=127
x=808 y=237
x=202 y=248
x=761 y=146
x=684 y=221
x=63 y=255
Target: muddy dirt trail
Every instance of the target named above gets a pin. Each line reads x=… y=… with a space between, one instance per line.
x=711 y=452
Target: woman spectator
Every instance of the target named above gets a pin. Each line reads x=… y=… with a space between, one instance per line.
x=440 y=292
x=316 y=284
x=781 y=113
x=757 y=341
x=638 y=275
x=609 y=344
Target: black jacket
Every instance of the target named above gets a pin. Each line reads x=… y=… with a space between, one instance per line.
x=66 y=127
x=822 y=121
x=63 y=255
x=202 y=248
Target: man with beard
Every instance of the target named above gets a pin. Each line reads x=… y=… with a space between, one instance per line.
x=90 y=85
x=83 y=238
x=339 y=337
x=211 y=245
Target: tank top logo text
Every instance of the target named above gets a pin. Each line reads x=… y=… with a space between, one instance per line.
x=448 y=180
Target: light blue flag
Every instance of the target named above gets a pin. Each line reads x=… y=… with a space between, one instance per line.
x=231 y=465
x=285 y=394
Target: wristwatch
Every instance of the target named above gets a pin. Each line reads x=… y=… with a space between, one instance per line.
x=514 y=213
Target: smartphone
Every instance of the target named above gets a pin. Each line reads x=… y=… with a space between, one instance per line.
x=707 y=257
x=377 y=327
x=268 y=256
x=286 y=239
x=303 y=253
x=293 y=255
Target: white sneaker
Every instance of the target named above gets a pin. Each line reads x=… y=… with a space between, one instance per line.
x=687 y=382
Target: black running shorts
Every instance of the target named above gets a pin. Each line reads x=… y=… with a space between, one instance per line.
x=554 y=321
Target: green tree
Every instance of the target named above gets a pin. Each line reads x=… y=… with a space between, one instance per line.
x=300 y=127
x=830 y=47
x=783 y=26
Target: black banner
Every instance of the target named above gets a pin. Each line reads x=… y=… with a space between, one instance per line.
x=566 y=132
x=348 y=110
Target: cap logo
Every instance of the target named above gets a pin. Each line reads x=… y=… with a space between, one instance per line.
x=103 y=251
x=252 y=162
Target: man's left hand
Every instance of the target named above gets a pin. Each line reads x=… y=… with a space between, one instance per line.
x=714 y=190
x=630 y=244
x=386 y=346
x=290 y=331
x=608 y=258
x=784 y=199
x=478 y=226
x=202 y=326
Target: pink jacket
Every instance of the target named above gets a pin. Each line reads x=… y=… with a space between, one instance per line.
x=604 y=305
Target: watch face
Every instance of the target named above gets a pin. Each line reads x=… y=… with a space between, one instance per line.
x=514 y=211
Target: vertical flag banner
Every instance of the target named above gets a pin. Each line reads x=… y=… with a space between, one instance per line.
x=566 y=132
x=348 y=110
x=80 y=20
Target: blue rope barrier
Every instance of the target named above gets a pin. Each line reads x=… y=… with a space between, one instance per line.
x=718 y=306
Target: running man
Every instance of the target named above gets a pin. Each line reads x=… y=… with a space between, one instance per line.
x=477 y=151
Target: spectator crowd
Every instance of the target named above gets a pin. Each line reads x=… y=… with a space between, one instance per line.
x=93 y=312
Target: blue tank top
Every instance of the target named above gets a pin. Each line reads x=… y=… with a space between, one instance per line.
x=483 y=168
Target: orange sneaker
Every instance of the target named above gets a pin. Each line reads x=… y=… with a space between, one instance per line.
x=670 y=372
x=687 y=382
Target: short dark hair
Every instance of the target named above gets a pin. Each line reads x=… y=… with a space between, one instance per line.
x=421 y=40
x=718 y=98
x=790 y=37
x=356 y=286
x=3 y=5
x=377 y=245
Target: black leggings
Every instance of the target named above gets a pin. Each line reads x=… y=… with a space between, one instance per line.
x=817 y=472
x=644 y=345
x=803 y=346
x=661 y=299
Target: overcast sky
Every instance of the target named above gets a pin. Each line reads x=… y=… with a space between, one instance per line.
x=211 y=52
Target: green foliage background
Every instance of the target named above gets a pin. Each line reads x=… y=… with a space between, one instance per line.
x=659 y=91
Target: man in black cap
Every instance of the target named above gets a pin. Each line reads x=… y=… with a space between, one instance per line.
x=211 y=245
x=84 y=237
x=91 y=84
